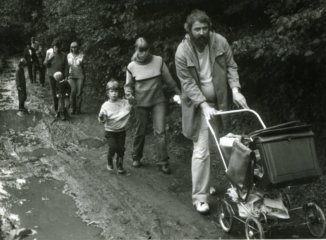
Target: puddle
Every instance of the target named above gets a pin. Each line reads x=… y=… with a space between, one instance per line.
x=40 y=152
x=10 y=120
x=43 y=207
x=91 y=143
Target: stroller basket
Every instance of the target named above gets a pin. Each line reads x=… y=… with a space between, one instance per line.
x=276 y=156
x=286 y=153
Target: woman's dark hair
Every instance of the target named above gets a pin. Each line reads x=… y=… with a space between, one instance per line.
x=197 y=15
x=57 y=42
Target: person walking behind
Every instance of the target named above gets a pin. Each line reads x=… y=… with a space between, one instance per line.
x=63 y=94
x=146 y=75
x=40 y=68
x=114 y=114
x=34 y=43
x=31 y=60
x=21 y=85
x=76 y=76
x=205 y=67
x=55 y=61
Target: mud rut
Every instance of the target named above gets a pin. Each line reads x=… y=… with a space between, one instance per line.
x=143 y=204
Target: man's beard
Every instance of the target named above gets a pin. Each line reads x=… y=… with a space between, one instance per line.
x=200 y=41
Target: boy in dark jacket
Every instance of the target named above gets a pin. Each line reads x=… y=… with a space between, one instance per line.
x=21 y=85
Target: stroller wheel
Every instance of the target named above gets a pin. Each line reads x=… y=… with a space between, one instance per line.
x=226 y=216
x=254 y=229
x=315 y=219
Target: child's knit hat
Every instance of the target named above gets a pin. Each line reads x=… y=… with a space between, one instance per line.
x=58 y=76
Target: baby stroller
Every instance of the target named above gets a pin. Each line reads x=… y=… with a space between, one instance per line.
x=259 y=166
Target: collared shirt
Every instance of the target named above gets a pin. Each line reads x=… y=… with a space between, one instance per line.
x=75 y=65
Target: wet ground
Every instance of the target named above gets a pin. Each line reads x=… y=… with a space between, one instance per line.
x=42 y=157
x=41 y=205
x=54 y=181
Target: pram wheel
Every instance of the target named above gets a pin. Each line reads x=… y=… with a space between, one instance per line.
x=254 y=229
x=225 y=216
x=315 y=219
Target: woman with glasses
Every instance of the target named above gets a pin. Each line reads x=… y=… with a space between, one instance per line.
x=146 y=76
x=76 y=77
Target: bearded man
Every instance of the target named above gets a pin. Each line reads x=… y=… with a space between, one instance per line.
x=205 y=67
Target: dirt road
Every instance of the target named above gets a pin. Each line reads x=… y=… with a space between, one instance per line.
x=142 y=204
x=41 y=158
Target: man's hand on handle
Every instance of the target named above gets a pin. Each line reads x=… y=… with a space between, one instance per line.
x=208 y=111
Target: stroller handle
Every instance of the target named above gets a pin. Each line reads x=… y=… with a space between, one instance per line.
x=218 y=113
x=240 y=111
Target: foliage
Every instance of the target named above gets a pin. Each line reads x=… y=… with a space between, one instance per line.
x=283 y=64
x=279 y=45
x=17 y=21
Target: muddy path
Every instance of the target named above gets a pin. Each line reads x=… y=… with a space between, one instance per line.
x=41 y=158
x=142 y=204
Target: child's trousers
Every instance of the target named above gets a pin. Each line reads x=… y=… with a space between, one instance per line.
x=116 y=142
x=64 y=103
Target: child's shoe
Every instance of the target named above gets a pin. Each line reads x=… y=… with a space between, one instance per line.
x=120 y=166
x=165 y=168
x=63 y=116
x=136 y=163
x=109 y=167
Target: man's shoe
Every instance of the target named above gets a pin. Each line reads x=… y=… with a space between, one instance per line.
x=165 y=168
x=121 y=170
x=202 y=207
x=136 y=163
x=109 y=167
